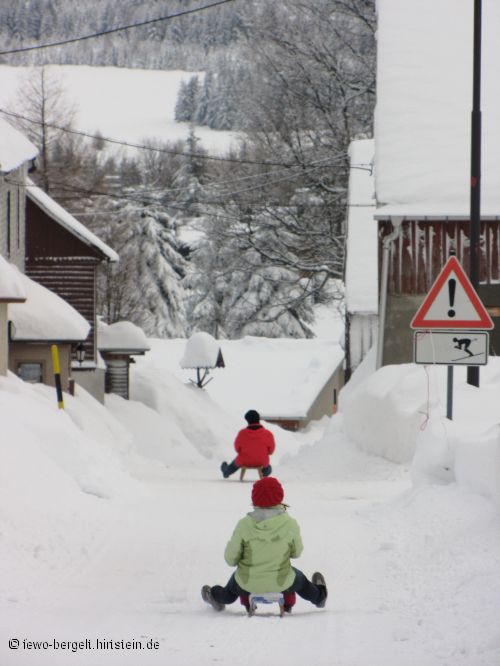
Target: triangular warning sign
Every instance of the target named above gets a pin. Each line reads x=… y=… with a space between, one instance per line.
x=452 y=302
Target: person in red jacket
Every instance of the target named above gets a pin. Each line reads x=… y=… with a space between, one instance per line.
x=254 y=444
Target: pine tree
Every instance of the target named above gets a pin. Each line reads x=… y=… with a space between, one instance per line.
x=146 y=286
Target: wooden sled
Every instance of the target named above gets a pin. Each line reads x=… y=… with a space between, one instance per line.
x=244 y=469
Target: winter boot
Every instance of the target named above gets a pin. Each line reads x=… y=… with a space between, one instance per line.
x=223 y=469
x=245 y=601
x=206 y=595
x=289 y=599
x=319 y=580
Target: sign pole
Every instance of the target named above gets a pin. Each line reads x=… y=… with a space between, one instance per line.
x=475 y=181
x=449 y=394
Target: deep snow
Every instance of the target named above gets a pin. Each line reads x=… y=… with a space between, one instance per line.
x=111 y=519
x=130 y=105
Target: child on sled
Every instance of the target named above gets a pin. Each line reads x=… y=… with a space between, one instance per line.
x=260 y=548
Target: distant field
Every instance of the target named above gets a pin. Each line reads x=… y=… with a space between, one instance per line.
x=126 y=104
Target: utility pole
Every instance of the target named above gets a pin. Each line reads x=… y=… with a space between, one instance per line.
x=475 y=180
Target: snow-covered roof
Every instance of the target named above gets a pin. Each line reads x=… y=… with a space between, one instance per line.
x=280 y=378
x=45 y=316
x=122 y=336
x=361 y=276
x=202 y=351
x=424 y=103
x=15 y=148
x=66 y=220
x=11 y=283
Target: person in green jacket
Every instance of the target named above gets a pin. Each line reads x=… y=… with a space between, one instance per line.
x=260 y=548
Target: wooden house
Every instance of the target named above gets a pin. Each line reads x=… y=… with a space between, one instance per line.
x=63 y=255
x=43 y=319
x=16 y=158
x=422 y=159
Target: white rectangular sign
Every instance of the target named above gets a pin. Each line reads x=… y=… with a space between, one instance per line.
x=451 y=347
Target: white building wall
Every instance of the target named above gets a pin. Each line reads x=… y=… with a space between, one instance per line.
x=362 y=335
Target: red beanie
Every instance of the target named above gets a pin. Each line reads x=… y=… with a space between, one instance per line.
x=267 y=492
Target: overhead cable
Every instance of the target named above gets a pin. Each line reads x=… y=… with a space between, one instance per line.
x=101 y=33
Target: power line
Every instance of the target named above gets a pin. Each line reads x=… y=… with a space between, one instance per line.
x=139 y=196
x=141 y=199
x=139 y=146
x=139 y=24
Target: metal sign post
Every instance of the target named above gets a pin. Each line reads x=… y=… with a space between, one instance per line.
x=449 y=393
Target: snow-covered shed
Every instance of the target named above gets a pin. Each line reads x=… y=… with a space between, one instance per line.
x=41 y=320
x=422 y=153
x=361 y=263
x=288 y=381
x=118 y=342
x=63 y=255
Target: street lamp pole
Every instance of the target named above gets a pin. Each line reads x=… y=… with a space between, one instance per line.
x=475 y=181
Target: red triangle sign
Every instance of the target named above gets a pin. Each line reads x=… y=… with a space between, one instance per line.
x=452 y=302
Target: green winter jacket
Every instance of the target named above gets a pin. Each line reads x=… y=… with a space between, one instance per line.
x=261 y=547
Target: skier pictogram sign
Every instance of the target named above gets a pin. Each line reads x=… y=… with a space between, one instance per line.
x=452 y=303
x=459 y=347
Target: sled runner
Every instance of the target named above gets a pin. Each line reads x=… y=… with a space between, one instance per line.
x=266 y=598
x=244 y=469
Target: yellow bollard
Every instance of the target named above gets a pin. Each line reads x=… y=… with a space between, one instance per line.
x=57 y=375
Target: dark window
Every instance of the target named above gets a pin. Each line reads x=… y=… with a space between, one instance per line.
x=30 y=372
x=9 y=207
x=18 y=218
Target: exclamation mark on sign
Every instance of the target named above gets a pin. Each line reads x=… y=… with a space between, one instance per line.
x=451 y=292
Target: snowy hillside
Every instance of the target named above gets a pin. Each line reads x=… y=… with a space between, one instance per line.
x=113 y=517
x=130 y=105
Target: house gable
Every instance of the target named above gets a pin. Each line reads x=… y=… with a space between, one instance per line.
x=63 y=263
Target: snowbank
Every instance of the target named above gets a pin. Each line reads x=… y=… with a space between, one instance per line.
x=193 y=419
x=403 y=409
x=131 y=105
x=384 y=413
x=59 y=472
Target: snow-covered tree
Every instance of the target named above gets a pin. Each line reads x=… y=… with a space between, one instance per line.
x=187 y=100
x=191 y=176
x=146 y=285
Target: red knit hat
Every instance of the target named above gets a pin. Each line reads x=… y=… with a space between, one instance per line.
x=267 y=492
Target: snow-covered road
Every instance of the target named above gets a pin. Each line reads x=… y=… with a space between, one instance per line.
x=406 y=582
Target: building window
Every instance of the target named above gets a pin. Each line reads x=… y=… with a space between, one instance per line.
x=8 y=216
x=18 y=218
x=30 y=372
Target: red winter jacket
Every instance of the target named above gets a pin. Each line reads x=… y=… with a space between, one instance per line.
x=254 y=446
